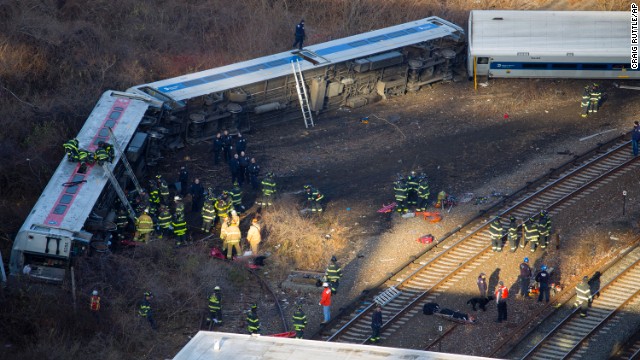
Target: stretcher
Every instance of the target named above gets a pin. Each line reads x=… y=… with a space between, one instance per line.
x=288 y=334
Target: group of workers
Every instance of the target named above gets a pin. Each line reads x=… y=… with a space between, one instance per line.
x=411 y=191
x=103 y=153
x=591 y=99
x=535 y=231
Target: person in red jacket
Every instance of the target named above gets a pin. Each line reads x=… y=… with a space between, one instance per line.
x=502 y=293
x=325 y=301
x=95 y=305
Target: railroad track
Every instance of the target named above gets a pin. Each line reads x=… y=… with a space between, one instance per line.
x=572 y=336
x=630 y=350
x=423 y=280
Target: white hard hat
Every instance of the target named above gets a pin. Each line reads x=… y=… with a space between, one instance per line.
x=325 y=284
x=95 y=292
x=234 y=213
x=176 y=198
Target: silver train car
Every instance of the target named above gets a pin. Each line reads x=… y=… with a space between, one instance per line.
x=550 y=44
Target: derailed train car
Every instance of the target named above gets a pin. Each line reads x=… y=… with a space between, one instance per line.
x=350 y=72
x=76 y=207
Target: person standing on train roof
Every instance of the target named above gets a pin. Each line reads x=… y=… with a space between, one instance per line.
x=299 y=35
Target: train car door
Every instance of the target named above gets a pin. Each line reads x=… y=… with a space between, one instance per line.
x=482 y=66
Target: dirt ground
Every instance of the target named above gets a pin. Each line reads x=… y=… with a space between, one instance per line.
x=494 y=139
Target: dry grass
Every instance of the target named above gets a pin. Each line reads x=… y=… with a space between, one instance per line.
x=299 y=241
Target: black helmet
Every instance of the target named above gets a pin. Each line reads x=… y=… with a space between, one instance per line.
x=512 y=218
x=334 y=259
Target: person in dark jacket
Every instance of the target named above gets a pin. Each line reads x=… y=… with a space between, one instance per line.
x=376 y=324
x=217 y=148
x=253 y=170
x=244 y=161
x=234 y=168
x=635 y=137
x=227 y=145
x=241 y=144
x=197 y=196
x=543 y=279
x=525 y=278
x=183 y=177
x=299 y=35
x=482 y=285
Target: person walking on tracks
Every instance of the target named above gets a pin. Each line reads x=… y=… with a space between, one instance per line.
x=495 y=232
x=325 y=302
x=543 y=280
x=525 y=278
x=299 y=322
x=502 y=294
x=333 y=275
x=253 y=322
x=583 y=296
x=376 y=324
x=299 y=35
x=482 y=285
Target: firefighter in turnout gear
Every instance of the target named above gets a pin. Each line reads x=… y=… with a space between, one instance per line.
x=145 y=310
x=412 y=189
x=94 y=305
x=531 y=234
x=333 y=275
x=401 y=191
x=512 y=233
x=299 y=322
x=144 y=227
x=215 y=309
x=222 y=210
x=154 y=198
x=122 y=223
x=164 y=221
x=179 y=228
x=586 y=99
x=583 y=296
x=495 y=231
x=104 y=153
x=544 y=228
x=71 y=148
x=268 y=189
x=253 y=322
x=208 y=215
x=163 y=188
x=594 y=98
x=236 y=197
x=423 y=193
x=314 y=198
x=231 y=236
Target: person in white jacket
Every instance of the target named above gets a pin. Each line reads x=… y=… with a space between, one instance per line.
x=253 y=236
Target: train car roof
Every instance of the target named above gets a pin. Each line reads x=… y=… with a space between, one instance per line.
x=246 y=347
x=332 y=52
x=552 y=33
x=69 y=197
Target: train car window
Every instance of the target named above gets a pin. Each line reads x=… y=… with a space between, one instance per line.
x=564 y=66
x=66 y=199
x=114 y=115
x=534 y=65
x=104 y=132
x=60 y=209
x=483 y=60
x=71 y=189
x=109 y=123
x=594 y=66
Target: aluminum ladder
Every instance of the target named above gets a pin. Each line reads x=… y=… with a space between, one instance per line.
x=119 y=191
x=386 y=296
x=302 y=94
x=125 y=162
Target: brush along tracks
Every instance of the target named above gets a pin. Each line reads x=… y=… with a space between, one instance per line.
x=572 y=337
x=405 y=293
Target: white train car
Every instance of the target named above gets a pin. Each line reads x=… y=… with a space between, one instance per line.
x=550 y=44
x=55 y=228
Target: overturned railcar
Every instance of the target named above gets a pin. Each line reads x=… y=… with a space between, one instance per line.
x=350 y=72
